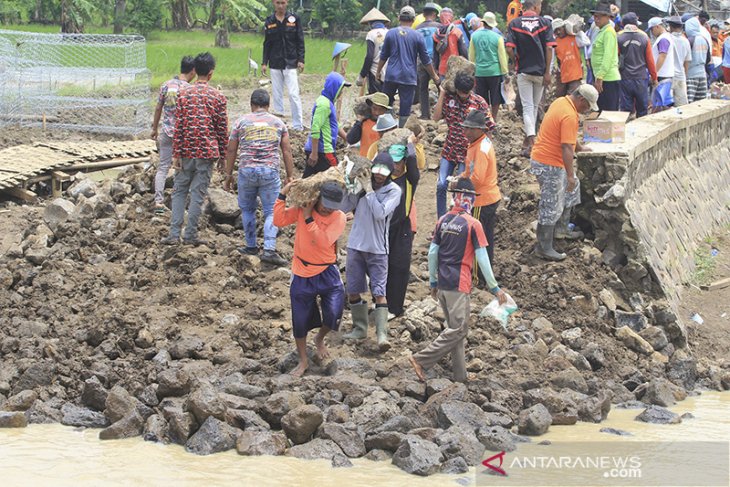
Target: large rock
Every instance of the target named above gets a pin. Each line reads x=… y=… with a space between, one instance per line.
x=682 y=370
x=57 y=212
x=261 y=443
x=78 y=416
x=417 y=456
x=347 y=437
x=655 y=336
x=21 y=401
x=534 y=421
x=213 y=436
x=635 y=321
x=658 y=392
x=204 y=402
x=315 y=449
x=374 y=410
x=235 y=384
x=129 y=426
x=496 y=438
x=172 y=383
x=460 y=442
x=83 y=186
x=94 y=394
x=593 y=353
x=454 y=465
x=13 y=419
x=576 y=359
x=300 y=424
x=188 y=346
x=246 y=420
x=38 y=374
x=453 y=392
x=658 y=415
x=595 y=409
x=633 y=341
x=156 y=429
x=223 y=205
x=181 y=424
x=385 y=440
x=359 y=367
x=45 y=412
x=571 y=379
x=458 y=413
x=278 y=404
x=119 y=403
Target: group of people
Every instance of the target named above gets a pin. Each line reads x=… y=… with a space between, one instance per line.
x=403 y=61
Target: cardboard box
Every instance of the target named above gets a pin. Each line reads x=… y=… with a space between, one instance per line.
x=609 y=128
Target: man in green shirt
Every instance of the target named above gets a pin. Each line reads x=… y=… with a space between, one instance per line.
x=604 y=59
x=486 y=50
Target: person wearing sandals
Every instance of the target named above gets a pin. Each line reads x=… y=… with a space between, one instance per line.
x=457 y=241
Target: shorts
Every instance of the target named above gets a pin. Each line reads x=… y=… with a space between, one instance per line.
x=696 y=89
x=553 y=199
x=325 y=160
x=490 y=88
x=305 y=311
x=360 y=266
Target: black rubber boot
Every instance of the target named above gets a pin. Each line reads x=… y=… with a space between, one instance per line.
x=544 y=248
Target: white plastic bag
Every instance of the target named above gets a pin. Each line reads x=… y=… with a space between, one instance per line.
x=500 y=312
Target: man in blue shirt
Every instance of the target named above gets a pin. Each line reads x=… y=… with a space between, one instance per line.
x=427 y=29
x=402 y=49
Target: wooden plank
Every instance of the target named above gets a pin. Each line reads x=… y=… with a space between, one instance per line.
x=21 y=193
x=106 y=164
x=60 y=175
x=721 y=284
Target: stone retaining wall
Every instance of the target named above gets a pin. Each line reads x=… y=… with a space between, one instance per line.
x=652 y=199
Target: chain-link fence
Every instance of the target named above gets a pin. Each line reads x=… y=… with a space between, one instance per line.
x=86 y=82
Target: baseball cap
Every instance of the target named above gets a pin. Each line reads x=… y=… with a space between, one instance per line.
x=654 y=21
x=331 y=195
x=382 y=164
x=407 y=12
x=590 y=94
x=490 y=19
x=630 y=18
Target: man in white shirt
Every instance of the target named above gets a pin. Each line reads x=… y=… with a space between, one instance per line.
x=682 y=57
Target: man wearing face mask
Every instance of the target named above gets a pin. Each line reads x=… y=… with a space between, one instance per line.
x=551 y=162
x=368 y=247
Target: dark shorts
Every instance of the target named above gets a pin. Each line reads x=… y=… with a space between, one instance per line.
x=360 y=266
x=490 y=88
x=305 y=311
x=324 y=162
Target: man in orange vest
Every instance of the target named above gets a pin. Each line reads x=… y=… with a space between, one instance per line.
x=363 y=130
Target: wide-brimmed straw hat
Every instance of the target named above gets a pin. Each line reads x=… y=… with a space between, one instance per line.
x=374 y=15
x=378 y=98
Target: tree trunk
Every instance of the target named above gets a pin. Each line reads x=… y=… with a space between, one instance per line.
x=180 y=14
x=213 y=15
x=221 y=36
x=37 y=11
x=68 y=24
x=120 y=7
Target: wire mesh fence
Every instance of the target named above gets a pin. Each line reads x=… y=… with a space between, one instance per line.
x=87 y=82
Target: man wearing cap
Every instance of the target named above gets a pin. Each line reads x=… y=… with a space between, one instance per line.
x=551 y=162
x=284 y=55
x=402 y=49
x=529 y=44
x=635 y=50
x=487 y=52
x=315 y=273
x=450 y=40
x=570 y=63
x=481 y=169
x=427 y=29
x=368 y=247
x=400 y=234
x=662 y=49
x=604 y=60
x=457 y=241
x=374 y=42
x=682 y=57
x=322 y=141
x=363 y=130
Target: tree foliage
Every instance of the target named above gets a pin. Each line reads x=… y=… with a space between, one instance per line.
x=145 y=16
x=337 y=16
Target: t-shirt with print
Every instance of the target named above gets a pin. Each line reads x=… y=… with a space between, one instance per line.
x=168 y=99
x=530 y=34
x=458 y=235
x=560 y=126
x=454 y=111
x=259 y=138
x=571 y=65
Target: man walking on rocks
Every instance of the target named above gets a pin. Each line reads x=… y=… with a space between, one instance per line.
x=315 y=273
x=368 y=247
x=457 y=241
x=256 y=139
x=635 y=50
x=201 y=134
x=166 y=108
x=552 y=163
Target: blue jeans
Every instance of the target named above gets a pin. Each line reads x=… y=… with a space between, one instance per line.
x=264 y=183
x=446 y=169
x=634 y=96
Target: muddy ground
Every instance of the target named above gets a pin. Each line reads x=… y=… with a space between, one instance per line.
x=101 y=324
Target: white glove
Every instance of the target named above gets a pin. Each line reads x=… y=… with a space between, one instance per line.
x=365 y=183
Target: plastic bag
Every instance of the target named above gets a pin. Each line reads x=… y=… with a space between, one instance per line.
x=500 y=312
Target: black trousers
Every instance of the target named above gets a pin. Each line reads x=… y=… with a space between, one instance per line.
x=487 y=216
x=610 y=97
x=399 y=265
x=373 y=84
x=323 y=163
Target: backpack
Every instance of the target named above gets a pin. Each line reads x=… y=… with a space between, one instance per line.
x=442 y=38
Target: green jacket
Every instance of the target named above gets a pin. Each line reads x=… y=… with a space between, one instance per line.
x=604 y=55
x=487 y=52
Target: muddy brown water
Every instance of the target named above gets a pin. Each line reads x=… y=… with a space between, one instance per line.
x=58 y=455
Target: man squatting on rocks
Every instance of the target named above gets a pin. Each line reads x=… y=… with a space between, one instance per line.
x=457 y=240
x=255 y=141
x=315 y=273
x=551 y=162
x=368 y=247
x=166 y=108
x=201 y=133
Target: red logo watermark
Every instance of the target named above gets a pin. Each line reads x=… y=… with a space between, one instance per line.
x=495 y=468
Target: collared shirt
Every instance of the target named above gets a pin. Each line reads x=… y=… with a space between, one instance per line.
x=530 y=35
x=283 y=41
x=454 y=111
x=259 y=139
x=481 y=168
x=201 y=129
x=168 y=98
x=604 y=55
x=458 y=235
x=560 y=126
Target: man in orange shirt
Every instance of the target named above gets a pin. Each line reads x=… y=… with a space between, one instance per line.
x=569 y=60
x=315 y=271
x=514 y=10
x=481 y=168
x=551 y=162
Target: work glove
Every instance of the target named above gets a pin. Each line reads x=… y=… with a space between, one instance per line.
x=365 y=184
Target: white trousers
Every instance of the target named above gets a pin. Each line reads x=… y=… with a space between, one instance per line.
x=279 y=79
x=531 y=88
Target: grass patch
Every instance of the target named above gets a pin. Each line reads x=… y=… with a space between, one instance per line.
x=704 y=266
x=166 y=48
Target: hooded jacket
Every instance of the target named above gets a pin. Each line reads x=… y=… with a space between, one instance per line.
x=324 y=115
x=700 y=49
